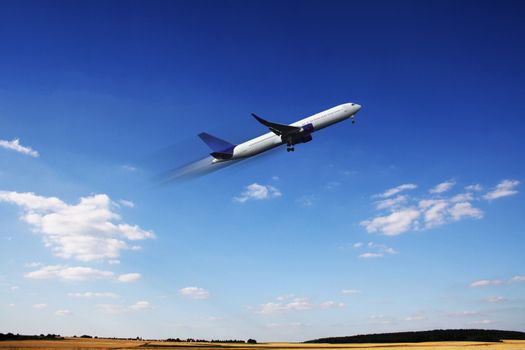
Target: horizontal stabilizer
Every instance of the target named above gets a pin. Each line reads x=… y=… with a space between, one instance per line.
x=278 y=129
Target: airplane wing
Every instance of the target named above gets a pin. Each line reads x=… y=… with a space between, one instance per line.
x=278 y=129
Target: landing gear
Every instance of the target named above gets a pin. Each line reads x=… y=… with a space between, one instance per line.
x=290 y=149
x=353 y=120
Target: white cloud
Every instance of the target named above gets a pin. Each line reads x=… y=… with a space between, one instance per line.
x=462 y=197
x=15 y=145
x=63 y=312
x=128 y=167
x=119 y=308
x=390 y=202
x=39 y=306
x=463 y=314
x=140 y=305
x=371 y=255
x=485 y=283
x=378 y=251
x=296 y=304
x=504 y=189
x=350 y=291
x=465 y=209
x=113 y=261
x=520 y=278
x=357 y=245
x=495 y=299
x=195 y=293
x=416 y=317
x=394 y=223
x=33 y=264
x=306 y=200
x=475 y=188
x=396 y=190
x=434 y=211
x=129 y=277
x=111 y=308
x=482 y=322
x=90 y=295
x=127 y=203
x=330 y=304
x=443 y=187
x=78 y=273
x=87 y=231
x=404 y=213
x=256 y=191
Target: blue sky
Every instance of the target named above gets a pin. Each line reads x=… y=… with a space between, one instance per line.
x=410 y=219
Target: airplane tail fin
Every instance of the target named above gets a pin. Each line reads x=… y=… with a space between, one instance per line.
x=221 y=149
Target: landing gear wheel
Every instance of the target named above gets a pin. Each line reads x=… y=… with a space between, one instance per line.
x=353 y=121
x=290 y=149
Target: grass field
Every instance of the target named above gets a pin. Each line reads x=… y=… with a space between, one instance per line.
x=99 y=344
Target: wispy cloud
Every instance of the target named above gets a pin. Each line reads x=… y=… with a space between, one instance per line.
x=14 y=145
x=442 y=187
x=126 y=203
x=464 y=313
x=78 y=273
x=129 y=277
x=486 y=283
x=497 y=282
x=63 y=312
x=120 y=308
x=504 y=189
x=391 y=202
x=371 y=255
x=416 y=317
x=330 y=304
x=90 y=295
x=482 y=322
x=495 y=299
x=128 y=167
x=398 y=214
x=395 y=190
x=394 y=223
x=474 y=188
x=296 y=304
x=350 y=291
x=291 y=303
x=306 y=200
x=256 y=191
x=39 y=306
x=519 y=278
x=195 y=292
x=86 y=231
x=375 y=250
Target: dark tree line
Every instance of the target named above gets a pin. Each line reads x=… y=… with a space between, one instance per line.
x=11 y=336
x=191 y=340
x=427 y=336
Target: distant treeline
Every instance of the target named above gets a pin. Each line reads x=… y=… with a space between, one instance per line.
x=191 y=340
x=11 y=336
x=426 y=336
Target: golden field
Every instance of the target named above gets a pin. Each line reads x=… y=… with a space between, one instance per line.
x=100 y=344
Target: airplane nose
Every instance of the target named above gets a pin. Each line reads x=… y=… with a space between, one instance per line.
x=355 y=106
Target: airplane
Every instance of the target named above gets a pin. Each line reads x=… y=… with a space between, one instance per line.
x=298 y=132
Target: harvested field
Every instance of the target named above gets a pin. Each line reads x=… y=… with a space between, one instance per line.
x=99 y=344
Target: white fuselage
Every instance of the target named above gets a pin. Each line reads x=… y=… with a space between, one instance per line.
x=319 y=121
